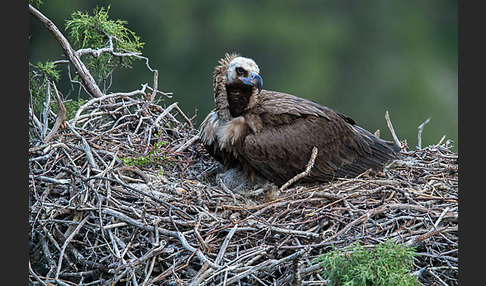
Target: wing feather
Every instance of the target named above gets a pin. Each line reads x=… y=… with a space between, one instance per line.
x=292 y=126
x=273 y=102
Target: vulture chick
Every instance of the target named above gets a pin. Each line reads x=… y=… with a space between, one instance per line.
x=272 y=134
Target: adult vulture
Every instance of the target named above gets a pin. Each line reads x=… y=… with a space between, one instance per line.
x=272 y=134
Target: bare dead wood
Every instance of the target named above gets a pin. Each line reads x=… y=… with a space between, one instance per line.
x=186 y=144
x=154 y=91
x=165 y=113
x=225 y=244
x=175 y=234
x=284 y=230
x=305 y=173
x=60 y=122
x=266 y=265
x=420 y=130
x=392 y=130
x=68 y=240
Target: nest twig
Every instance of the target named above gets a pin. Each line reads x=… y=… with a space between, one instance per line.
x=96 y=221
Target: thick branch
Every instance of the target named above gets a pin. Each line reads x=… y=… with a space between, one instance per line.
x=87 y=79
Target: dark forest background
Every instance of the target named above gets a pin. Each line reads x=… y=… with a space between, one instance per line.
x=358 y=57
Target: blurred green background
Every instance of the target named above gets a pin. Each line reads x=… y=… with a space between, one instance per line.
x=358 y=57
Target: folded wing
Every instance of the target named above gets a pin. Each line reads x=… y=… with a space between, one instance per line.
x=290 y=127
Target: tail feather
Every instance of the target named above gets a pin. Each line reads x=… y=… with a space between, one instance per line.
x=381 y=151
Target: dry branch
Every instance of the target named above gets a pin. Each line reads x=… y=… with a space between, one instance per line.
x=392 y=130
x=306 y=172
x=60 y=118
x=420 y=130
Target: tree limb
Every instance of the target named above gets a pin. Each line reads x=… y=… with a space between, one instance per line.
x=86 y=78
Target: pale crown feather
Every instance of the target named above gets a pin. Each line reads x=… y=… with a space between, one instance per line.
x=248 y=64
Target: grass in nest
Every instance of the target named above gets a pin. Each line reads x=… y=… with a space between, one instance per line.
x=385 y=264
x=157 y=156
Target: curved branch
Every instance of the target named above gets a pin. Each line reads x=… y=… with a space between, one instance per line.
x=87 y=79
x=60 y=118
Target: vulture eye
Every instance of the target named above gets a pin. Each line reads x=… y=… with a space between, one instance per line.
x=240 y=71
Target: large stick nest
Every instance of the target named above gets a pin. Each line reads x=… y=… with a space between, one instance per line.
x=126 y=194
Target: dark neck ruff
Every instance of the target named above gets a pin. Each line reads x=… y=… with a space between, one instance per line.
x=238 y=98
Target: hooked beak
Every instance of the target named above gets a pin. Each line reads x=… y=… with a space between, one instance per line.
x=254 y=79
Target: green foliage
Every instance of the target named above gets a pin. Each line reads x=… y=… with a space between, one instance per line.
x=39 y=76
x=156 y=156
x=94 y=31
x=72 y=107
x=36 y=92
x=36 y=3
x=47 y=70
x=85 y=31
x=385 y=264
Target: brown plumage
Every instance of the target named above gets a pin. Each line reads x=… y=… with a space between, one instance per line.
x=272 y=134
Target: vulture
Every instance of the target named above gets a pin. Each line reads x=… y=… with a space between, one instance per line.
x=272 y=134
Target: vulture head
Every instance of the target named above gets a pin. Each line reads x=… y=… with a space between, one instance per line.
x=235 y=81
x=244 y=71
x=243 y=84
